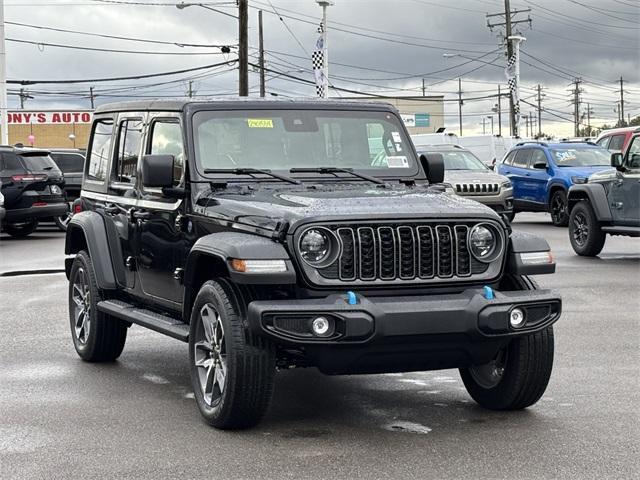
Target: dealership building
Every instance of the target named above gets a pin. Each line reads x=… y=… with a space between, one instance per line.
x=50 y=128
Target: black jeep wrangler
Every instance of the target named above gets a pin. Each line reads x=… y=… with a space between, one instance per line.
x=608 y=203
x=281 y=234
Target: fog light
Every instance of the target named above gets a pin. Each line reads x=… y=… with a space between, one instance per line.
x=320 y=326
x=516 y=318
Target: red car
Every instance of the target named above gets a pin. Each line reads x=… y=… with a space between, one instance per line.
x=616 y=140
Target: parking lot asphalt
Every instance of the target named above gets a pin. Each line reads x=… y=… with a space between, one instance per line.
x=136 y=418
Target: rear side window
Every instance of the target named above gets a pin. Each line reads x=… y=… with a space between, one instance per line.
x=9 y=162
x=166 y=139
x=521 y=159
x=129 y=138
x=100 y=150
x=509 y=158
x=604 y=142
x=616 y=143
x=68 y=162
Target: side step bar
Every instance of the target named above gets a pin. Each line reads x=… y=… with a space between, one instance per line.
x=622 y=230
x=146 y=318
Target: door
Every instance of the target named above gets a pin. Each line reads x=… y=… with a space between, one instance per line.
x=519 y=176
x=162 y=247
x=625 y=191
x=538 y=177
x=122 y=193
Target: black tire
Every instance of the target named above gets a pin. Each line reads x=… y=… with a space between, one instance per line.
x=242 y=361
x=585 y=233
x=106 y=335
x=519 y=375
x=558 y=208
x=20 y=230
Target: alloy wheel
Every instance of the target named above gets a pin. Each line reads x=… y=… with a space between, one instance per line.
x=490 y=374
x=580 y=229
x=558 y=208
x=82 y=306
x=210 y=355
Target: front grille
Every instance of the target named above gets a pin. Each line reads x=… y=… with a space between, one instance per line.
x=477 y=188
x=373 y=253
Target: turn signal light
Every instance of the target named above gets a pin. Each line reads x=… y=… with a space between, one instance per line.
x=258 y=266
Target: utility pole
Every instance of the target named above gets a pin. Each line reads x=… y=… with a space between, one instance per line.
x=588 y=120
x=261 y=52
x=576 y=105
x=499 y=111
x=190 y=90
x=621 y=102
x=22 y=98
x=4 y=127
x=510 y=21
x=325 y=47
x=484 y=120
x=491 y=117
x=460 y=104
x=424 y=89
x=92 y=98
x=539 y=111
x=243 y=47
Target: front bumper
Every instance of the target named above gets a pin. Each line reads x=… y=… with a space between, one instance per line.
x=33 y=213
x=382 y=334
x=501 y=203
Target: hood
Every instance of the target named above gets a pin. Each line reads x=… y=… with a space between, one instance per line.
x=268 y=208
x=581 y=171
x=469 y=176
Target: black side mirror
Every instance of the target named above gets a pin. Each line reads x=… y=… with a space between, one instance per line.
x=157 y=171
x=540 y=165
x=433 y=165
x=616 y=160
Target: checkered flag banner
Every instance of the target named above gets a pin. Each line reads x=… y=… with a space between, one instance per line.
x=510 y=73
x=317 y=60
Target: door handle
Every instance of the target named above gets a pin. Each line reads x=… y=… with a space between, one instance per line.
x=138 y=215
x=527 y=174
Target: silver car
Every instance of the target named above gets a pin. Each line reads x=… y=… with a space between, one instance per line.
x=467 y=176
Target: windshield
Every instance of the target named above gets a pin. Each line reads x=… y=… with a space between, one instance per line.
x=69 y=162
x=581 y=157
x=374 y=142
x=461 y=160
x=39 y=163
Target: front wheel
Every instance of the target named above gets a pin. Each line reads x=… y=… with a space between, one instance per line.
x=232 y=370
x=558 y=208
x=585 y=234
x=517 y=377
x=21 y=230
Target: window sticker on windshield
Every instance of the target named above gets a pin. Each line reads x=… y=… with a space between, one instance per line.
x=396 y=137
x=398 y=147
x=399 y=161
x=567 y=155
x=260 y=123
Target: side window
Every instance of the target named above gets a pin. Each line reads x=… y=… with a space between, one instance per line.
x=9 y=163
x=616 y=143
x=604 y=142
x=521 y=159
x=126 y=162
x=509 y=158
x=633 y=153
x=537 y=156
x=100 y=150
x=166 y=139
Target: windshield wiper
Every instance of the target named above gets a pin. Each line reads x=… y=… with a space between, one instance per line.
x=252 y=171
x=334 y=170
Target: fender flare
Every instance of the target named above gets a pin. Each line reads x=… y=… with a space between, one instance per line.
x=521 y=242
x=597 y=197
x=95 y=235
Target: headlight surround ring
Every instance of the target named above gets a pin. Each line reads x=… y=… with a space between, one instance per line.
x=331 y=247
x=477 y=244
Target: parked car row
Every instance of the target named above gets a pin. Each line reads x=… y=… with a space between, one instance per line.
x=34 y=187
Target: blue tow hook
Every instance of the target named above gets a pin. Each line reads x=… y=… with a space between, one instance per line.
x=488 y=293
x=351 y=298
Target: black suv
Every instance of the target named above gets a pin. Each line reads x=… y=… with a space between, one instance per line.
x=71 y=162
x=608 y=202
x=32 y=186
x=281 y=234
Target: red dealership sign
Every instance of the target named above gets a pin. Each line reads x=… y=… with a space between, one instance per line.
x=21 y=117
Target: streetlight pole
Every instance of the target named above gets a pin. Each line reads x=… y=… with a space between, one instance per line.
x=325 y=48
x=4 y=124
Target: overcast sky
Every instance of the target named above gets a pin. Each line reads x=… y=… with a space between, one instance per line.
x=378 y=46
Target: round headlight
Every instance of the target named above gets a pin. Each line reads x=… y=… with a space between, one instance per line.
x=482 y=242
x=315 y=246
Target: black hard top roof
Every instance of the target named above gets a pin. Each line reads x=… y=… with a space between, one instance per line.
x=235 y=103
x=23 y=150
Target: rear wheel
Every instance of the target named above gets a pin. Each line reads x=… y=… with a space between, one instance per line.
x=97 y=337
x=20 y=230
x=232 y=370
x=519 y=374
x=585 y=234
x=558 y=208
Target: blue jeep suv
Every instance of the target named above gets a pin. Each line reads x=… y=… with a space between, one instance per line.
x=541 y=174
